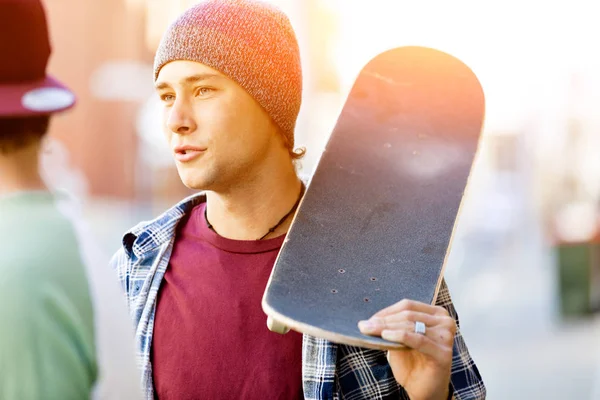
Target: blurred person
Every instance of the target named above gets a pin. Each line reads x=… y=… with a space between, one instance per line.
x=229 y=77
x=65 y=333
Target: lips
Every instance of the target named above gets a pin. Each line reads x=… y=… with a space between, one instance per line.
x=187 y=153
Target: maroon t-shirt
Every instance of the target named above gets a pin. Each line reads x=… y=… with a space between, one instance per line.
x=210 y=336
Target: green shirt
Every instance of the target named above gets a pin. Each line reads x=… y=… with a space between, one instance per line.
x=47 y=344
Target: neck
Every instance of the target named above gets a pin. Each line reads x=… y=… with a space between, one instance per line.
x=19 y=170
x=247 y=211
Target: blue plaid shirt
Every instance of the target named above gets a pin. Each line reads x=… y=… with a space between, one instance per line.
x=329 y=370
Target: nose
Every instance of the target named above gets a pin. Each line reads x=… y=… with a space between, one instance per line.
x=181 y=118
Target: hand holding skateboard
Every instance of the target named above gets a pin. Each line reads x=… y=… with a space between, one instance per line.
x=423 y=367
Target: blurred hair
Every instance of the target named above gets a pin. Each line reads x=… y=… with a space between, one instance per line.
x=19 y=132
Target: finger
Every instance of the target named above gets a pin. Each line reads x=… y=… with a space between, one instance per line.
x=412 y=306
x=375 y=325
x=440 y=333
x=430 y=321
x=437 y=350
x=412 y=316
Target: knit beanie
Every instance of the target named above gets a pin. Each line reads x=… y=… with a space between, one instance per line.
x=249 y=41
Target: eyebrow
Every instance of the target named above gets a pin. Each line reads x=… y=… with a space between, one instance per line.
x=187 y=80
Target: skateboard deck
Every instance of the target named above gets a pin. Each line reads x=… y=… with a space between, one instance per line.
x=376 y=222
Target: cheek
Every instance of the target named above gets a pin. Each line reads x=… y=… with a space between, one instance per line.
x=167 y=134
x=164 y=124
x=231 y=124
x=217 y=120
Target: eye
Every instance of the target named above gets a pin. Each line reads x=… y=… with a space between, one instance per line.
x=203 y=91
x=167 y=97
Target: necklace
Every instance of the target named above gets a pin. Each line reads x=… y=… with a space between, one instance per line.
x=272 y=229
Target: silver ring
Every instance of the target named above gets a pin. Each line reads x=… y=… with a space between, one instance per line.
x=420 y=328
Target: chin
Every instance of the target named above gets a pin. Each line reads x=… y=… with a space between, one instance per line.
x=192 y=181
x=195 y=184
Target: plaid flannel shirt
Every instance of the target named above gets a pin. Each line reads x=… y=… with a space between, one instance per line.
x=329 y=370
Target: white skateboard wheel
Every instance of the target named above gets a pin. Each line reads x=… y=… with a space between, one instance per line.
x=276 y=326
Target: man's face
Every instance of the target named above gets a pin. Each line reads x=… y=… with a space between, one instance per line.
x=218 y=133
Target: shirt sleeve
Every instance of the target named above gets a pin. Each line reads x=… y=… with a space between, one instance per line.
x=465 y=379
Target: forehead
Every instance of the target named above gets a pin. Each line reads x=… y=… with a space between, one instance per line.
x=183 y=73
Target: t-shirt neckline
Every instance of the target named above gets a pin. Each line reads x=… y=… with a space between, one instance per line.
x=231 y=245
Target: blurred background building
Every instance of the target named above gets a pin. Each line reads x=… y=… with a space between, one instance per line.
x=525 y=265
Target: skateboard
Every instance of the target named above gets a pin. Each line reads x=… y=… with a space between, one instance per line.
x=375 y=224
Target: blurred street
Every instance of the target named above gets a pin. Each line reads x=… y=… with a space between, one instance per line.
x=505 y=288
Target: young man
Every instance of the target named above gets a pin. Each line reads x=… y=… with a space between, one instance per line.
x=228 y=74
x=65 y=333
